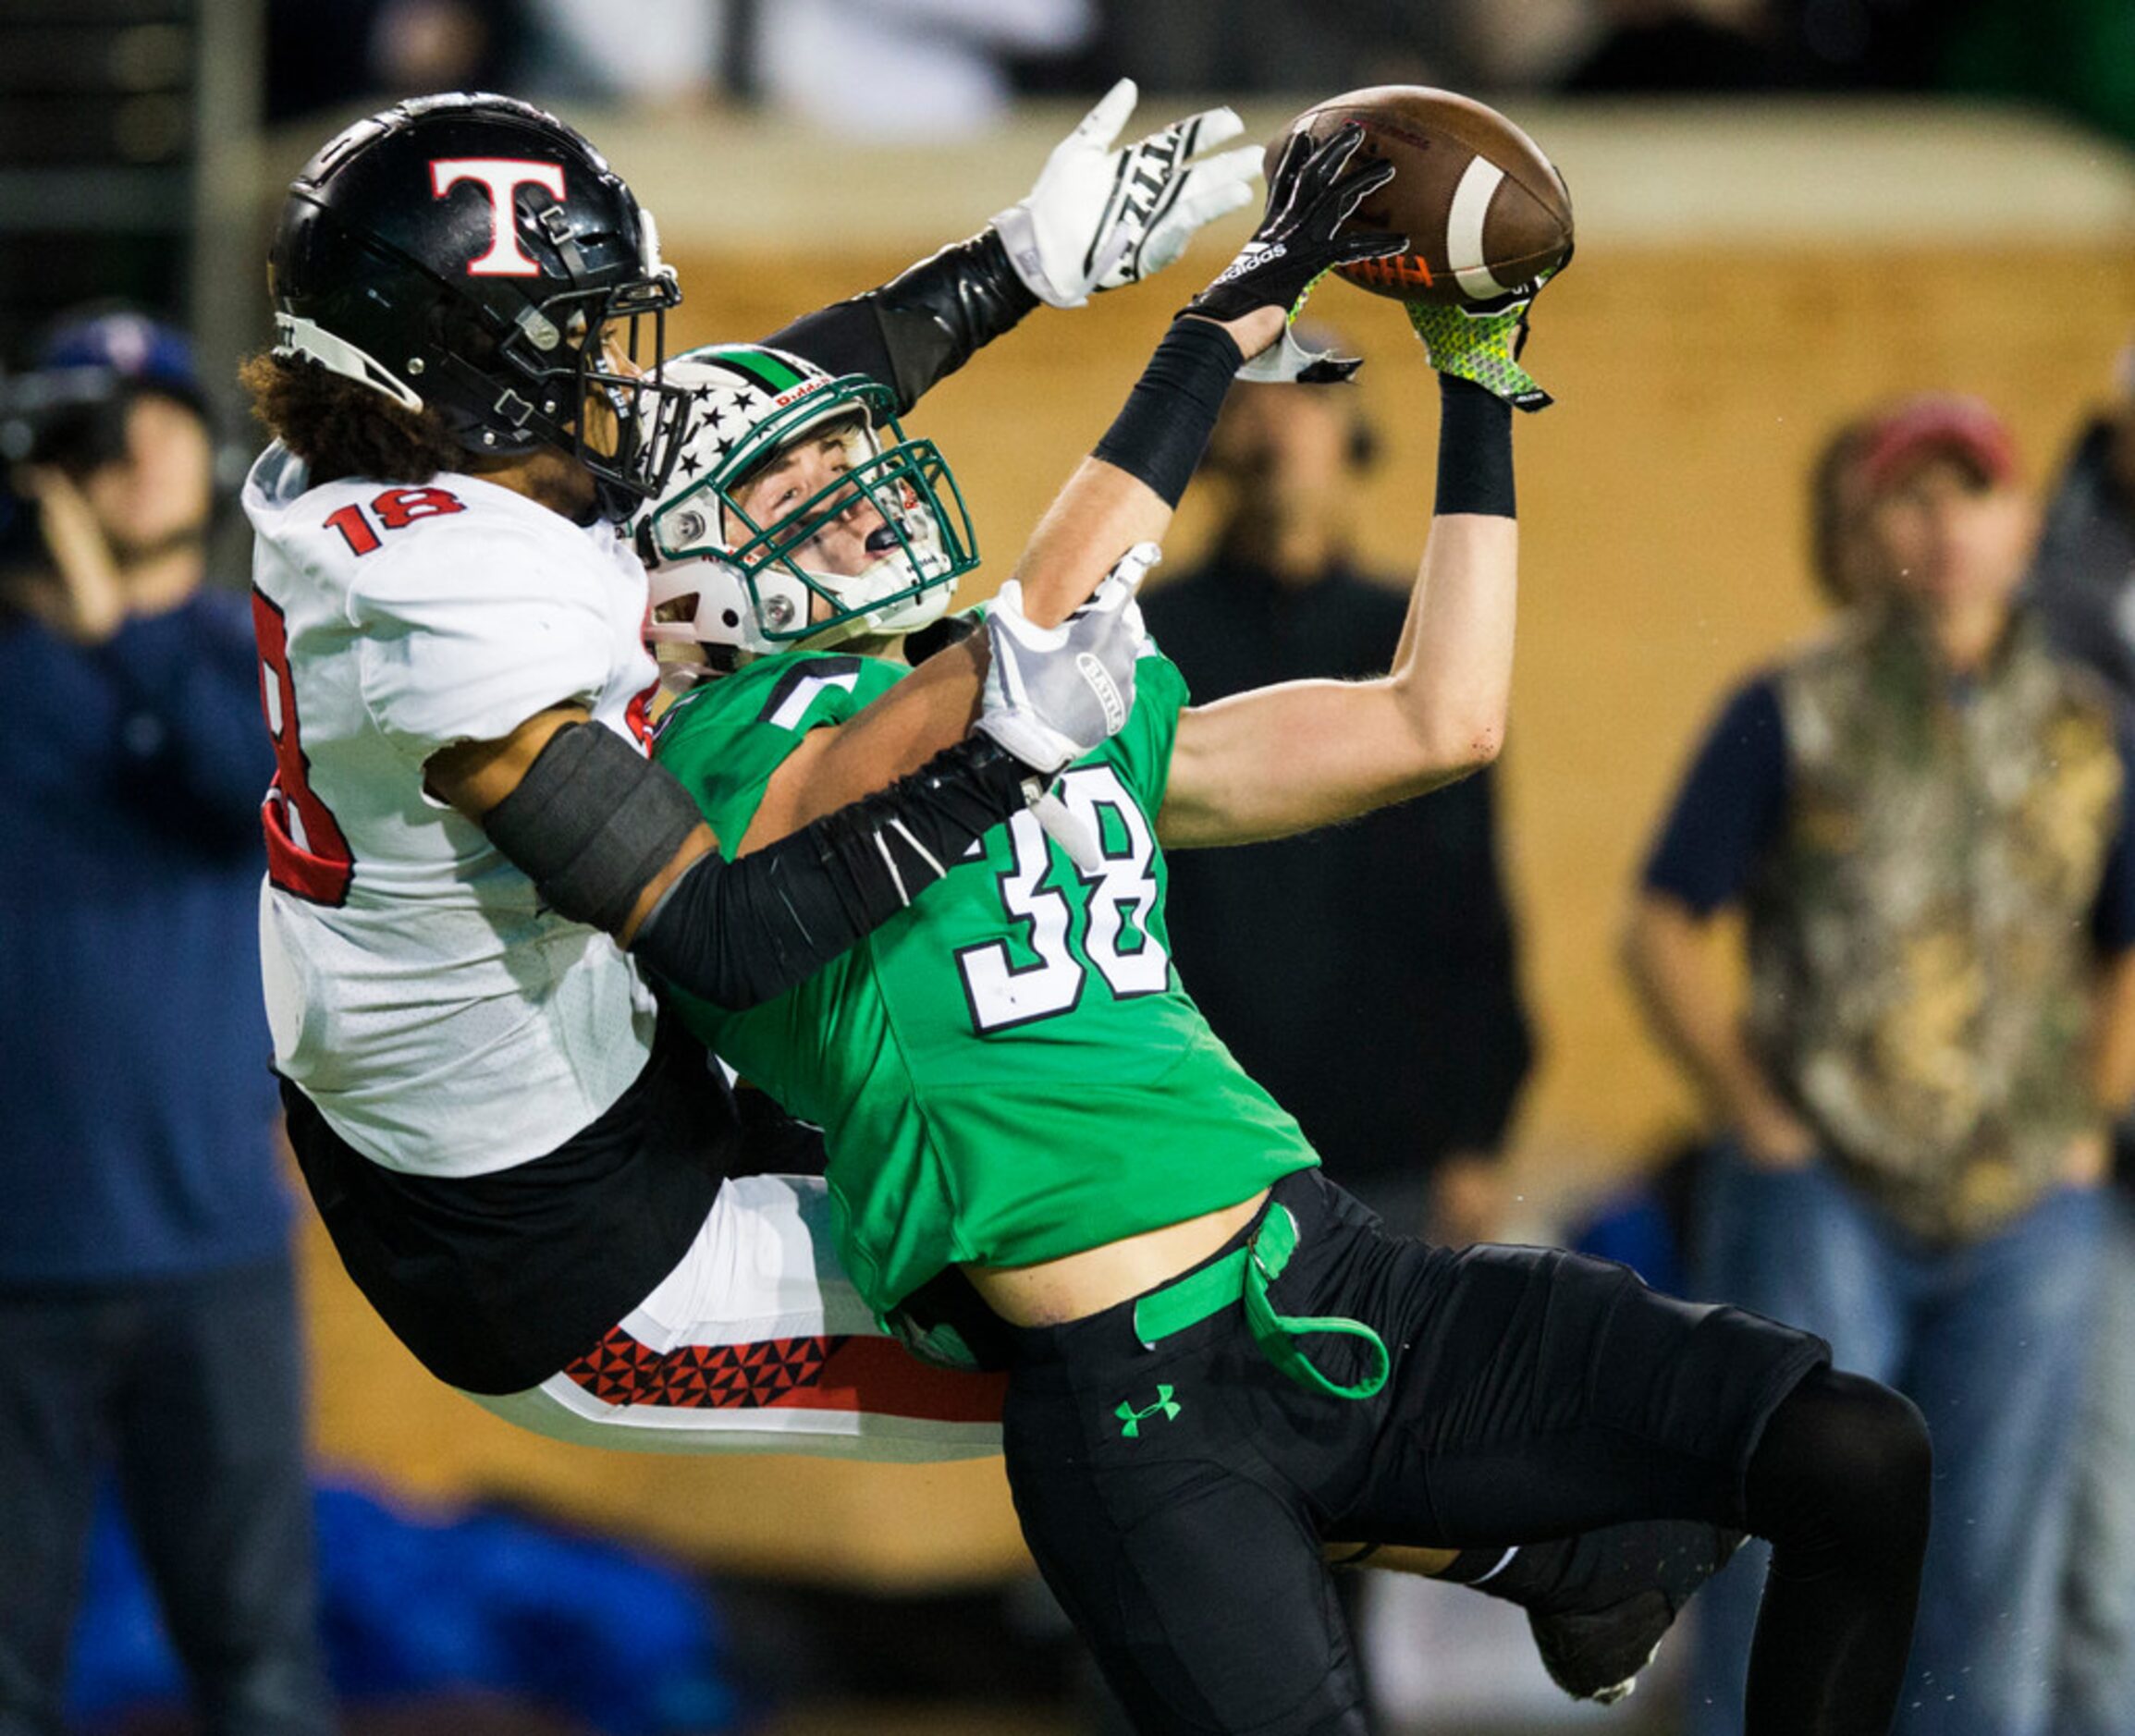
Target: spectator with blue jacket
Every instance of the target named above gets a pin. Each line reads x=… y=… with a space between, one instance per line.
x=148 y=1314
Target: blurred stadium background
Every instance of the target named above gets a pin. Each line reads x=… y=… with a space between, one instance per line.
x=1784 y=214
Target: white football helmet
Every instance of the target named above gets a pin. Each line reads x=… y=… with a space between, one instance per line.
x=723 y=576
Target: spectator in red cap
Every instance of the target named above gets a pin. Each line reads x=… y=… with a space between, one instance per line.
x=1923 y=817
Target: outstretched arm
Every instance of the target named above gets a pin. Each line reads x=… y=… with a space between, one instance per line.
x=1102 y=512
x=1123 y=493
x=1308 y=753
x=1098 y=218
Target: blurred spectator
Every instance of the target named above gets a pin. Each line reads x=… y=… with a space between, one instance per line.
x=1923 y=816
x=1409 y=980
x=326 y=54
x=1671 y=47
x=888 y=69
x=148 y=1320
x=2083 y=582
x=2084 y=577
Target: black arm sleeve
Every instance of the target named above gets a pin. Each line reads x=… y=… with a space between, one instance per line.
x=922 y=325
x=592 y=823
x=739 y=932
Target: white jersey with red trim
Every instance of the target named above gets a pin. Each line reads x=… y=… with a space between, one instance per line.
x=444 y=1021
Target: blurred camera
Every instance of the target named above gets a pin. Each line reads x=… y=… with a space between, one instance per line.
x=71 y=418
x=68 y=407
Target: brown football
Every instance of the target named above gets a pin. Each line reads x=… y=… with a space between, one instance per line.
x=1485 y=212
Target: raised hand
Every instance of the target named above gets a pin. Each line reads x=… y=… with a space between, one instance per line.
x=1102 y=218
x=1052 y=693
x=88 y=600
x=1315 y=192
x=1483 y=345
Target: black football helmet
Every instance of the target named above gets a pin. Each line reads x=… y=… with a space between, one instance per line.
x=467 y=253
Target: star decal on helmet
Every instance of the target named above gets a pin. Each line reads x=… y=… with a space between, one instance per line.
x=760 y=587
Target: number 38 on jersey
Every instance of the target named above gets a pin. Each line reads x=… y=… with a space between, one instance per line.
x=1115 y=902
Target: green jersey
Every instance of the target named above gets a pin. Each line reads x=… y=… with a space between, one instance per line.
x=1008 y=1072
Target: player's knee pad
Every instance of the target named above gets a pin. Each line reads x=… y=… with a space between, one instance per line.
x=1843 y=1463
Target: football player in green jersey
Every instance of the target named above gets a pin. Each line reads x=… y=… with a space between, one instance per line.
x=1217 y=1359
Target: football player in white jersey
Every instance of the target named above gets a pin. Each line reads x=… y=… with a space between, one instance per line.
x=473 y=868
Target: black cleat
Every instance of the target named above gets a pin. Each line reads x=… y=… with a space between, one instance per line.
x=1627 y=1586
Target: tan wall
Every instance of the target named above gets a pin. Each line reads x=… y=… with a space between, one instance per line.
x=1659 y=500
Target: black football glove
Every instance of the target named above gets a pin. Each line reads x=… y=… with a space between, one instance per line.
x=1313 y=192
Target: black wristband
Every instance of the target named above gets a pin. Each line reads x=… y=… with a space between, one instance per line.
x=1475 y=451
x=1163 y=428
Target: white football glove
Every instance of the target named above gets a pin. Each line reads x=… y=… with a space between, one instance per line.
x=1101 y=218
x=1052 y=693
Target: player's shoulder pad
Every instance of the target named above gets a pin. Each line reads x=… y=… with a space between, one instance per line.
x=446 y=547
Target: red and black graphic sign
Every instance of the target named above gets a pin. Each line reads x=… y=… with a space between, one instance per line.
x=831 y=1372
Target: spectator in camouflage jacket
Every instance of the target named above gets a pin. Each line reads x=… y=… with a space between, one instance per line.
x=1923 y=818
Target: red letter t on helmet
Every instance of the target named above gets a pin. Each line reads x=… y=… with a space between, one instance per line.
x=503 y=176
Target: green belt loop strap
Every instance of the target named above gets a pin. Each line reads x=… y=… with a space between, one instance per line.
x=1190 y=1301
x=1247 y=1272
x=1277 y=1335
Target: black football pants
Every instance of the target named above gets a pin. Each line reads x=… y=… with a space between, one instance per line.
x=1175 y=1495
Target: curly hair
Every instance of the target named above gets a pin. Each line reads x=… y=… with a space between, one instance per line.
x=342 y=428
